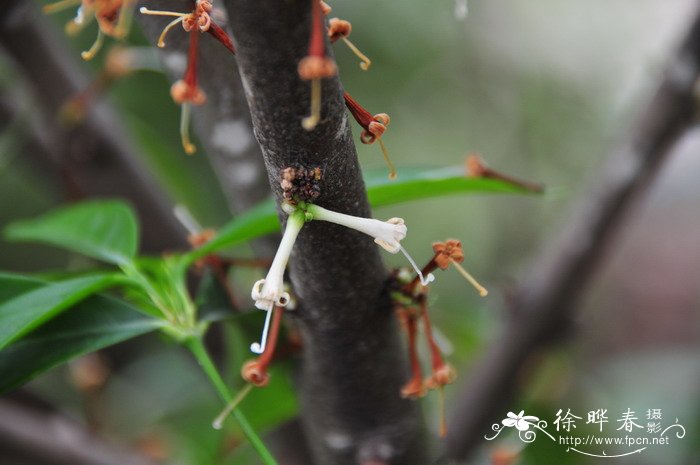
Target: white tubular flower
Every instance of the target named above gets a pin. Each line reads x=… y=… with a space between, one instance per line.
x=387 y=234
x=269 y=292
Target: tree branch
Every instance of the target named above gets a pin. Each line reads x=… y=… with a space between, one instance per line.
x=545 y=302
x=352 y=367
x=97 y=152
x=49 y=438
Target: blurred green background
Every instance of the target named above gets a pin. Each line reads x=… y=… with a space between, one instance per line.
x=541 y=90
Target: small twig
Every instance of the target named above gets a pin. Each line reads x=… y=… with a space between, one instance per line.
x=546 y=300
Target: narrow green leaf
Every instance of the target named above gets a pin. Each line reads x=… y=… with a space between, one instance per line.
x=26 y=311
x=256 y=222
x=415 y=184
x=103 y=229
x=92 y=325
x=12 y=285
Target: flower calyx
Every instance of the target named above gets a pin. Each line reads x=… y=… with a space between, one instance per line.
x=316 y=65
x=373 y=127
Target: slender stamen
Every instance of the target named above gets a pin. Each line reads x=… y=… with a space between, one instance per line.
x=365 y=62
x=166 y=29
x=424 y=280
x=314 y=117
x=60 y=6
x=96 y=46
x=187 y=145
x=218 y=422
x=145 y=11
x=481 y=289
x=126 y=14
x=259 y=348
x=390 y=165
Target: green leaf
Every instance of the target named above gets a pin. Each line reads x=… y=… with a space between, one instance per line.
x=103 y=229
x=417 y=184
x=412 y=184
x=92 y=325
x=258 y=221
x=25 y=311
x=12 y=285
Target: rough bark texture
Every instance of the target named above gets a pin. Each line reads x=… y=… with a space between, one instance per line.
x=97 y=153
x=353 y=366
x=544 y=305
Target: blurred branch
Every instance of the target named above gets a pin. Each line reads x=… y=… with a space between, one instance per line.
x=353 y=366
x=32 y=437
x=223 y=123
x=544 y=305
x=96 y=153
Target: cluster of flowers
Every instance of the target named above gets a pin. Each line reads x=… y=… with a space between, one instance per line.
x=114 y=18
x=300 y=185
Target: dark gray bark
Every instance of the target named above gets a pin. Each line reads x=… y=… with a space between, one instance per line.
x=545 y=303
x=353 y=366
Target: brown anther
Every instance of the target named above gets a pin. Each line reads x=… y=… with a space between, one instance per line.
x=444 y=375
x=338 y=28
x=447 y=252
x=181 y=92
x=315 y=67
x=254 y=373
x=325 y=8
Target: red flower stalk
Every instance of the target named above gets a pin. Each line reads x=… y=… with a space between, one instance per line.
x=414 y=388
x=341 y=29
x=316 y=65
x=373 y=128
x=113 y=19
x=442 y=373
x=186 y=92
x=255 y=371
